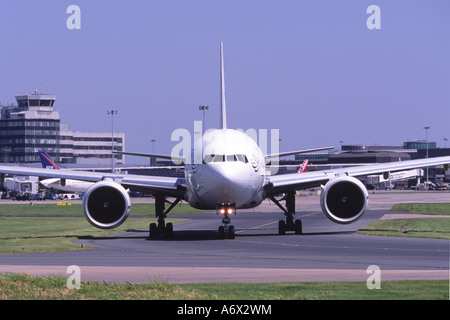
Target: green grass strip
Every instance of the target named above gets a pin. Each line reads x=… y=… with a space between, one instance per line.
x=423 y=208
x=32 y=235
x=435 y=228
x=25 y=287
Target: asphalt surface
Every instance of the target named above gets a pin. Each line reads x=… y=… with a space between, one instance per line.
x=325 y=252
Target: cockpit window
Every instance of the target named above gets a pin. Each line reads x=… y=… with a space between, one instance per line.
x=208 y=158
x=242 y=158
x=222 y=158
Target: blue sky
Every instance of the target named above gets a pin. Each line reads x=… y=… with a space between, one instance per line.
x=311 y=69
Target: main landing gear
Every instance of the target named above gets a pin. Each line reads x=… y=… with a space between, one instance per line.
x=162 y=227
x=289 y=212
x=226 y=231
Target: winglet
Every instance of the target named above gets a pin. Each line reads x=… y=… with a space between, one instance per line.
x=223 y=109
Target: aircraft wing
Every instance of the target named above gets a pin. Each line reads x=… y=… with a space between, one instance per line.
x=291 y=153
x=157 y=156
x=294 y=181
x=170 y=186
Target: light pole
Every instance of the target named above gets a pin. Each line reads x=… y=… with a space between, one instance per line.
x=203 y=108
x=153 y=145
x=112 y=113
x=445 y=141
x=153 y=160
x=426 y=141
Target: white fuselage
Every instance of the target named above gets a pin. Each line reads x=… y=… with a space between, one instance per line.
x=69 y=186
x=231 y=170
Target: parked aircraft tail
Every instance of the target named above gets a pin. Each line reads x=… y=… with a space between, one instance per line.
x=303 y=166
x=46 y=161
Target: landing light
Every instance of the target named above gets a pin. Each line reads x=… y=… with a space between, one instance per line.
x=226 y=209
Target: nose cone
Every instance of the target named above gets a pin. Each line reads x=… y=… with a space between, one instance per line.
x=227 y=183
x=231 y=169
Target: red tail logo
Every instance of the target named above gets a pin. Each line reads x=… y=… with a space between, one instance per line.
x=303 y=166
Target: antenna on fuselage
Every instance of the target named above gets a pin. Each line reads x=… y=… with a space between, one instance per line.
x=223 y=109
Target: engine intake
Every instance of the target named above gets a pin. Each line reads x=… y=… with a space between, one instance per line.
x=344 y=199
x=106 y=205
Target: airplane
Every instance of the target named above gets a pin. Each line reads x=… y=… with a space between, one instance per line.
x=64 y=185
x=230 y=176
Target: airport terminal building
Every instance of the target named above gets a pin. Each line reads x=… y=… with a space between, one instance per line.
x=89 y=148
x=33 y=125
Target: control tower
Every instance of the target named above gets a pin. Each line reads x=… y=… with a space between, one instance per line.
x=30 y=126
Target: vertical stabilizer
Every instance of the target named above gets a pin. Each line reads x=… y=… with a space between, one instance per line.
x=46 y=161
x=223 y=109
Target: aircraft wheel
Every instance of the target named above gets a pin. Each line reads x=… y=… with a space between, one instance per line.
x=221 y=232
x=231 y=233
x=298 y=227
x=153 y=231
x=281 y=227
x=169 y=230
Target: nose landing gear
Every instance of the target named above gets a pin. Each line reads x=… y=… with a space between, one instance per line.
x=226 y=231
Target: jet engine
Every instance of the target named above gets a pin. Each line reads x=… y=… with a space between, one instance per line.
x=106 y=204
x=344 y=199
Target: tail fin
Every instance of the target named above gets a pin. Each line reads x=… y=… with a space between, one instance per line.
x=303 y=166
x=223 y=109
x=46 y=161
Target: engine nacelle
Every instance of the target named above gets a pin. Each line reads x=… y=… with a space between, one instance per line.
x=344 y=199
x=106 y=204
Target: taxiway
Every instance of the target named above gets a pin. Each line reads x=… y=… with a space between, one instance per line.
x=325 y=252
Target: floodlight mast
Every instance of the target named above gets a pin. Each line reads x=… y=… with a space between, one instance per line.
x=112 y=113
x=426 y=142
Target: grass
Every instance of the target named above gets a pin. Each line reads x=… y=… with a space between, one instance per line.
x=423 y=208
x=76 y=210
x=323 y=290
x=55 y=288
x=437 y=228
x=26 y=228
x=25 y=287
x=32 y=235
x=32 y=228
